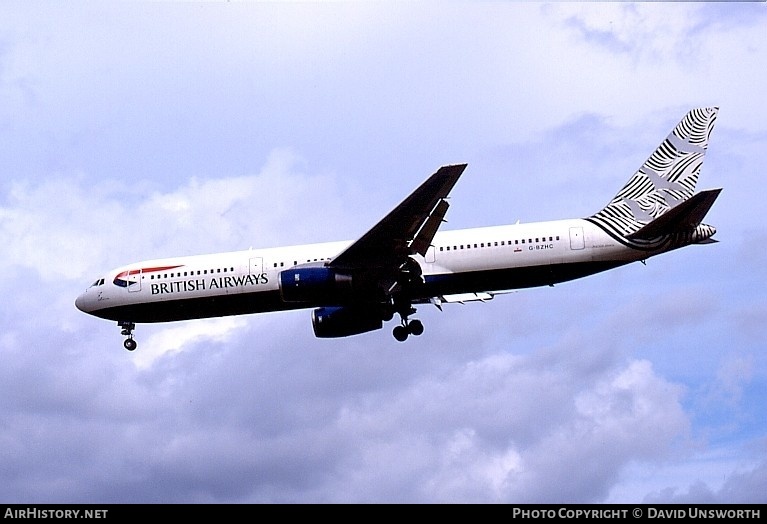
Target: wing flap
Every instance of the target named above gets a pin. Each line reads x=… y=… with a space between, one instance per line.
x=462 y=298
x=423 y=239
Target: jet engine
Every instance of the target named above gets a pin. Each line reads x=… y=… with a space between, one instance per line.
x=314 y=285
x=334 y=322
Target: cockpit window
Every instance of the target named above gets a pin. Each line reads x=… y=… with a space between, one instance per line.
x=99 y=282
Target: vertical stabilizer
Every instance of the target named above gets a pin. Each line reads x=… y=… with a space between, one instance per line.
x=665 y=180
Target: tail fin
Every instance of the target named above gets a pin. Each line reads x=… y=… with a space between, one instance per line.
x=665 y=180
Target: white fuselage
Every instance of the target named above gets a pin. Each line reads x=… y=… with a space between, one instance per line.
x=464 y=261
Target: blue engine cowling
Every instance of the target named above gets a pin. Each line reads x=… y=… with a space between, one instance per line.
x=314 y=285
x=334 y=322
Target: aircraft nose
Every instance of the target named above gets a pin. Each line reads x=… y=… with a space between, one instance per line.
x=81 y=302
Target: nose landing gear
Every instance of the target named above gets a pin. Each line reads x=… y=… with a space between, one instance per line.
x=127 y=331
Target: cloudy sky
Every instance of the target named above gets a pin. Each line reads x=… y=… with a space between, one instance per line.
x=141 y=130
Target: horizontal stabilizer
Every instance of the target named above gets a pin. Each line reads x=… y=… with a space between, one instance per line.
x=686 y=215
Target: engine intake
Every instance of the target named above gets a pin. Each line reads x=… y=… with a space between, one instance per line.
x=314 y=285
x=334 y=322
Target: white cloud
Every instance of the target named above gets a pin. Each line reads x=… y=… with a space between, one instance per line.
x=639 y=31
x=716 y=476
x=186 y=335
x=213 y=128
x=93 y=227
x=494 y=438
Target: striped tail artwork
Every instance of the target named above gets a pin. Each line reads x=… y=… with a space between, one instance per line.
x=665 y=182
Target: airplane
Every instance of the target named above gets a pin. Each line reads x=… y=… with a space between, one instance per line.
x=404 y=261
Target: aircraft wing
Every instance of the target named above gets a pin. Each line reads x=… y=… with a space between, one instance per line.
x=407 y=230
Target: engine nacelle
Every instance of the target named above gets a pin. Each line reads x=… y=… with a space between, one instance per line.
x=314 y=285
x=334 y=322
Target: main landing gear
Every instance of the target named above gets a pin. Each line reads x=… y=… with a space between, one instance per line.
x=127 y=331
x=407 y=327
x=409 y=279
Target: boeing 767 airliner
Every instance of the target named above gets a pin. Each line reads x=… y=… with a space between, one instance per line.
x=354 y=287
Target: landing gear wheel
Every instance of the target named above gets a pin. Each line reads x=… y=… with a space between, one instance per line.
x=415 y=327
x=400 y=333
x=402 y=303
x=127 y=331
